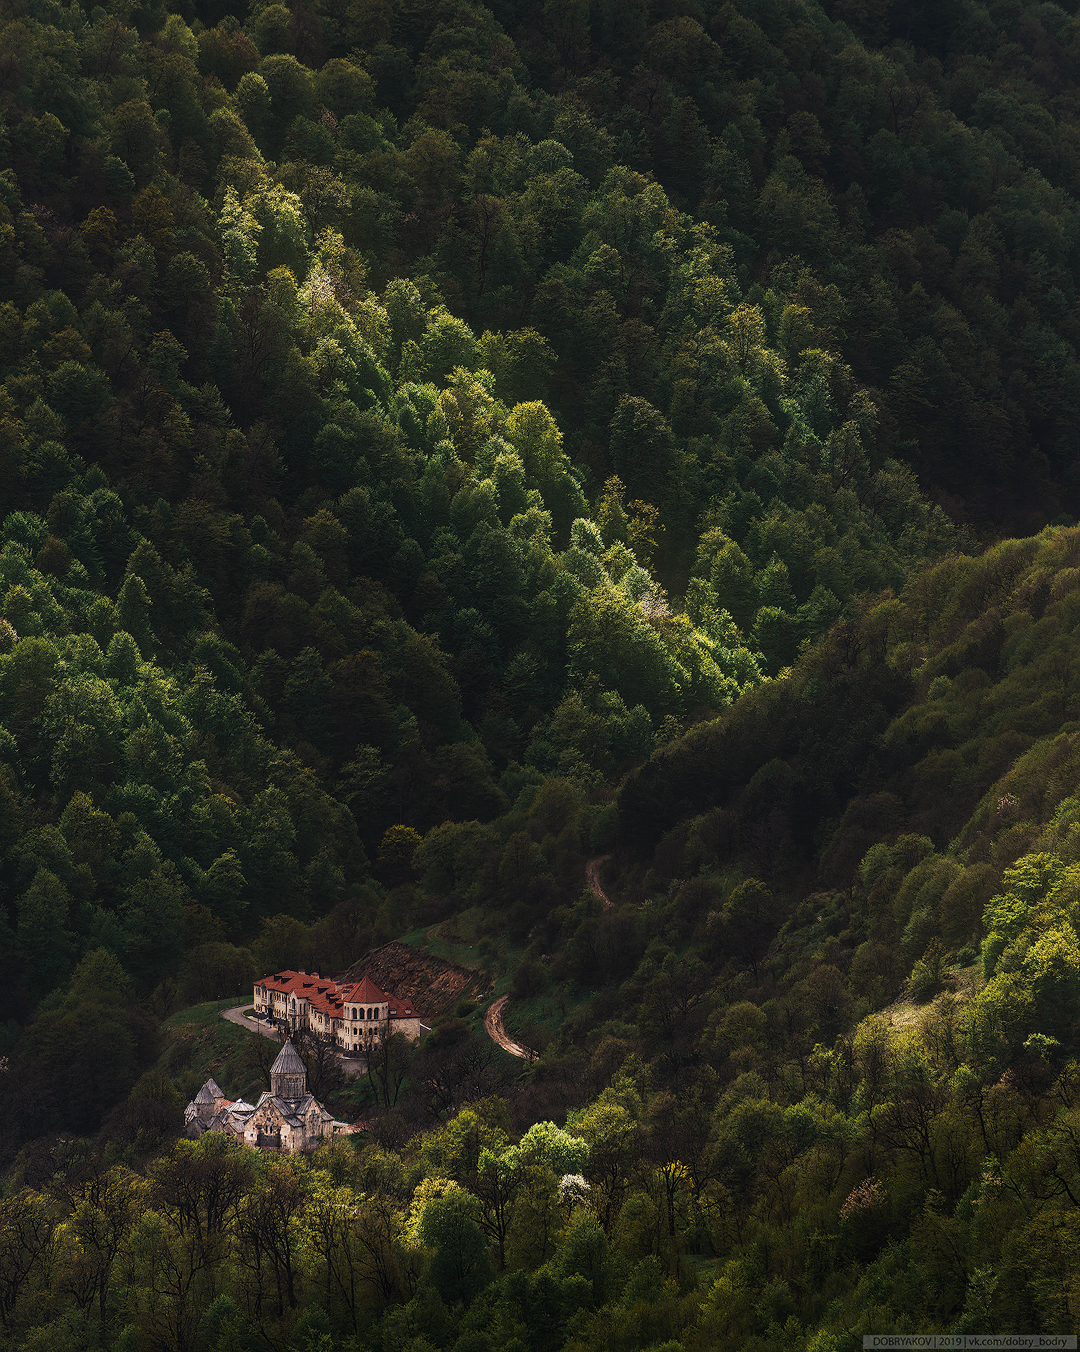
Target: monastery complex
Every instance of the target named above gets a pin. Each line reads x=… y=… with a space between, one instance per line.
x=354 y=1018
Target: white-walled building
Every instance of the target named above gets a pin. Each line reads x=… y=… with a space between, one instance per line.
x=353 y=1017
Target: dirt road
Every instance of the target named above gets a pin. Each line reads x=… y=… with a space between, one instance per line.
x=493 y=1022
x=592 y=877
x=493 y=1016
x=351 y=1065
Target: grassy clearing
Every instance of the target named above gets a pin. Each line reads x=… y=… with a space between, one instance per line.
x=199 y=1043
x=462 y=939
x=469 y=940
x=536 y=1022
x=962 y=984
x=206 y=1015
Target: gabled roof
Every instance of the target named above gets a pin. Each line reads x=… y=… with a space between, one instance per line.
x=327 y=997
x=291 y=1110
x=280 y=981
x=288 y=1063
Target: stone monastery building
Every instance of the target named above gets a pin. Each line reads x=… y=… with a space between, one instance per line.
x=353 y=1017
x=286 y=1118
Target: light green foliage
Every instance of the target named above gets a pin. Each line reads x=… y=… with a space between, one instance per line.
x=446 y=343
x=240 y=231
x=562 y=1152
x=533 y=433
x=1031 y=954
x=282 y=232
x=455 y=1150
x=628 y=637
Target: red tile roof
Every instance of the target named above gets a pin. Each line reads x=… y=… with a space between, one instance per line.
x=280 y=981
x=365 y=992
x=400 y=1009
x=327 y=997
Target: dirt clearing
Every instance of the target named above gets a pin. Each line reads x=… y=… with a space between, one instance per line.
x=433 y=985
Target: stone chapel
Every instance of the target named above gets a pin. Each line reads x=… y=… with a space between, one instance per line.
x=285 y=1118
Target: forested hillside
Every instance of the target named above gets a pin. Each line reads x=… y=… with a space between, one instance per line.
x=441 y=446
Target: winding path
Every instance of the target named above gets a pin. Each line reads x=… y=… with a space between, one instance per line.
x=236 y=1015
x=351 y=1065
x=592 y=877
x=493 y=1015
x=493 y=1022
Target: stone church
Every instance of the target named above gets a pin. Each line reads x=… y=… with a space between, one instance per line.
x=285 y=1118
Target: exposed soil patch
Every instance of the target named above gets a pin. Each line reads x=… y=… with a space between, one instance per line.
x=433 y=984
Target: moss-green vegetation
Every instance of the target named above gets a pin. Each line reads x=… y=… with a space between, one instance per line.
x=198 y=1044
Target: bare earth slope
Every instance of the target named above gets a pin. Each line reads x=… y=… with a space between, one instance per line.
x=433 y=985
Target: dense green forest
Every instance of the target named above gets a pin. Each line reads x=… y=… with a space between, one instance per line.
x=443 y=447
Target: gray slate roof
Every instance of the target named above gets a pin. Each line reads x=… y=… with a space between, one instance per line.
x=288 y=1063
x=292 y=1110
x=236 y=1115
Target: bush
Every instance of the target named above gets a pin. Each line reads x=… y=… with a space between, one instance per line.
x=927 y=974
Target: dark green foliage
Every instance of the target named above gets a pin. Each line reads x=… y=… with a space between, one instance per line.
x=460 y=1264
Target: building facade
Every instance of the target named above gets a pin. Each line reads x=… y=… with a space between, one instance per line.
x=286 y=1118
x=353 y=1017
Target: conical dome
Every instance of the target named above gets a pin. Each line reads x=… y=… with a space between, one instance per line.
x=207 y=1099
x=288 y=1077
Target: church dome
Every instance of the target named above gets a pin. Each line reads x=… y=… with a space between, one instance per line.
x=288 y=1076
